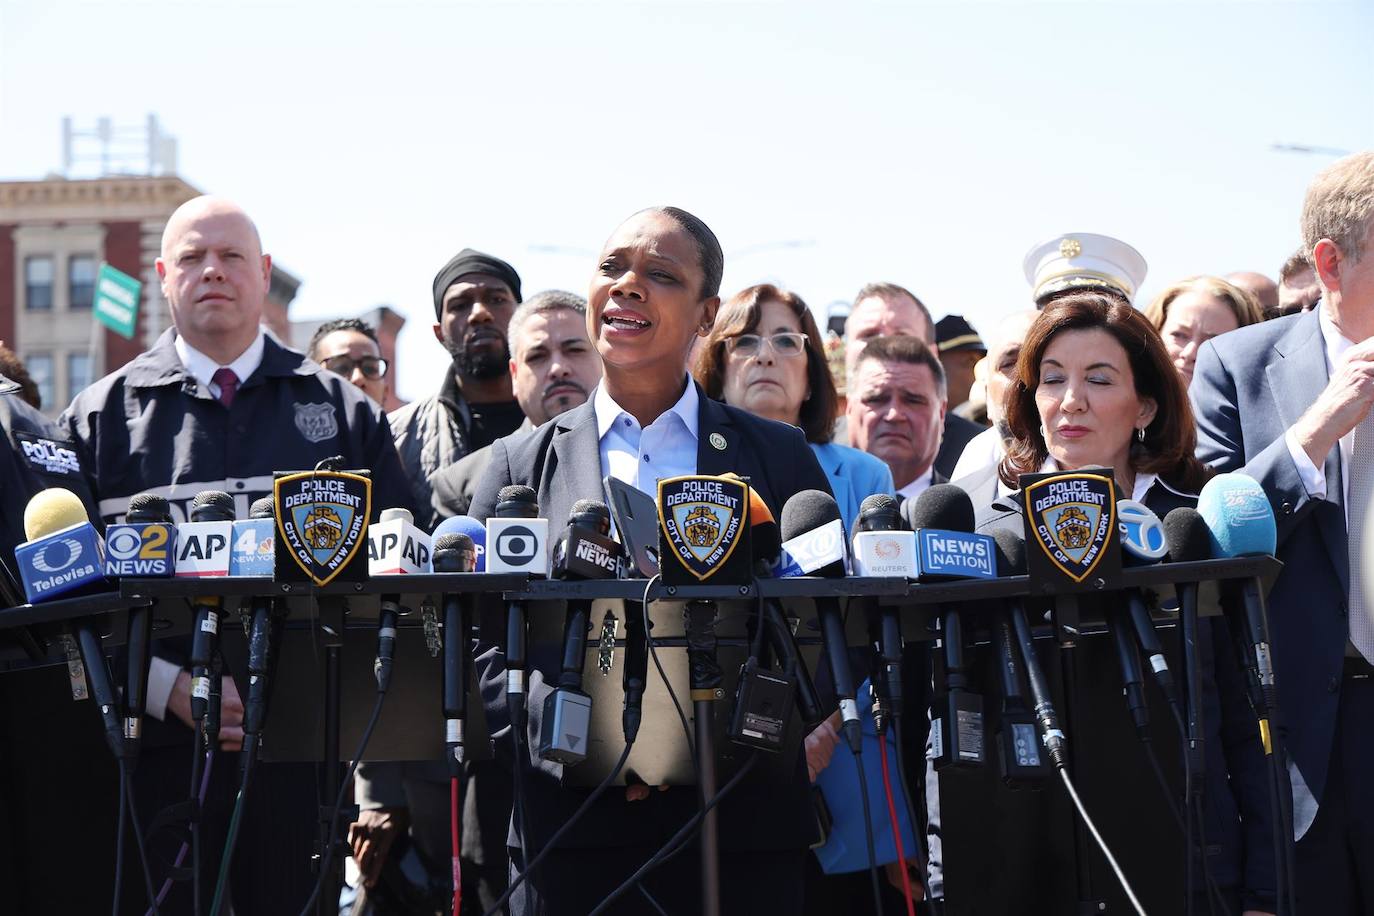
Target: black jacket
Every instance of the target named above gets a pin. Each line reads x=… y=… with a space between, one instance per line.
x=561 y=461
x=1029 y=831
x=151 y=427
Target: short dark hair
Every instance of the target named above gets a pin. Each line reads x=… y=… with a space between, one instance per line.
x=903 y=348
x=741 y=315
x=341 y=324
x=891 y=291
x=1297 y=263
x=13 y=368
x=1171 y=437
x=708 y=247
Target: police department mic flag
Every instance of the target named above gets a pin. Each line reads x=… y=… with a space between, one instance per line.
x=704 y=530
x=1072 y=535
x=322 y=526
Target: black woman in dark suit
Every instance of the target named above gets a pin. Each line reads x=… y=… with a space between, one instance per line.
x=1095 y=386
x=655 y=290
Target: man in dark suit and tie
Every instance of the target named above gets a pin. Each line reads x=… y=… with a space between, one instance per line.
x=654 y=291
x=1288 y=403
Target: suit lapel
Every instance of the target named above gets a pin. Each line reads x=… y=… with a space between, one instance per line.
x=718 y=445
x=1296 y=380
x=576 y=473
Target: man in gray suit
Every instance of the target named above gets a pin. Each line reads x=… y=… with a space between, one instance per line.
x=552 y=368
x=1288 y=403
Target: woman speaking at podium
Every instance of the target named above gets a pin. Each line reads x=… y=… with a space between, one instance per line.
x=1095 y=386
x=655 y=290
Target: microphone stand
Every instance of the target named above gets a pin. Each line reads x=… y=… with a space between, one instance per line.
x=706 y=678
x=1066 y=624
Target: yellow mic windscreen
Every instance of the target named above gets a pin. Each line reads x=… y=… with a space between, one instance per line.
x=52 y=510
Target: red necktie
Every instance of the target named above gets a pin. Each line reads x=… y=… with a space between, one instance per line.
x=228 y=384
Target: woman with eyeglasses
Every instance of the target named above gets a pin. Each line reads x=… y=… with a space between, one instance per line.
x=349 y=347
x=765 y=355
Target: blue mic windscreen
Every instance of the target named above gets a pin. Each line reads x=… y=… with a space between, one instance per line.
x=466 y=524
x=1240 y=519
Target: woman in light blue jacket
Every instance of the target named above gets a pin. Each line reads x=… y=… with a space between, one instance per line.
x=765 y=355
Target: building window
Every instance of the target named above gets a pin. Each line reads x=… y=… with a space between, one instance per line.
x=38 y=277
x=81 y=270
x=78 y=373
x=40 y=370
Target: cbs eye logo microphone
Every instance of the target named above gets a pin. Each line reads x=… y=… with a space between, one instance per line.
x=140 y=549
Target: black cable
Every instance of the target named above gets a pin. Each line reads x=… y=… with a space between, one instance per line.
x=1155 y=767
x=868 y=835
x=683 y=832
x=127 y=787
x=119 y=839
x=197 y=753
x=558 y=834
x=658 y=908
x=328 y=859
x=917 y=826
x=521 y=750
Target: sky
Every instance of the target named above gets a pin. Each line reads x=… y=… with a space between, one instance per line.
x=927 y=144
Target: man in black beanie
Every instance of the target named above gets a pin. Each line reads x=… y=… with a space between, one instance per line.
x=474 y=296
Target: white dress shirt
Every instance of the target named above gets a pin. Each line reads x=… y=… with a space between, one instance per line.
x=162 y=674
x=982 y=451
x=202 y=368
x=1143 y=482
x=667 y=447
x=917 y=486
x=1313 y=476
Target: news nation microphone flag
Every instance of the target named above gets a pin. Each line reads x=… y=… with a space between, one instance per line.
x=322 y=526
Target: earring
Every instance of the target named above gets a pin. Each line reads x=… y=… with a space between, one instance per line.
x=1043 y=436
x=1140 y=434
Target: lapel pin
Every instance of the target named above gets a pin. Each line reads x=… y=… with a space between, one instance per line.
x=718 y=442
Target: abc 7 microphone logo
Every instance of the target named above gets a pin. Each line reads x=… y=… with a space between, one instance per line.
x=516 y=545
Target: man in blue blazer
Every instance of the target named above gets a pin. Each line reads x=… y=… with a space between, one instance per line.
x=1288 y=403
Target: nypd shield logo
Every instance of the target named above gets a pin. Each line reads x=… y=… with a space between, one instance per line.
x=702 y=520
x=1071 y=517
x=316 y=422
x=322 y=519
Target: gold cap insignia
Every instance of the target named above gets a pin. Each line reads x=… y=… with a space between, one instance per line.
x=1070 y=248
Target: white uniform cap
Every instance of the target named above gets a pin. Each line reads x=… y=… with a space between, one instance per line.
x=1082 y=259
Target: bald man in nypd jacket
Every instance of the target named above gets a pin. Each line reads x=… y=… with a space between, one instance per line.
x=654 y=291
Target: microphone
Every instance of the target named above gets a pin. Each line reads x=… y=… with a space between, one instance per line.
x=584 y=551
x=455 y=553
x=1143 y=543
x=63 y=552
x=1189 y=539
x=1011 y=561
x=813 y=544
x=475 y=531
x=204 y=551
x=1240 y=523
x=517 y=540
x=765 y=542
x=395 y=547
x=883 y=548
x=143 y=546
x=253 y=540
x=942 y=518
x=516 y=537
x=264 y=631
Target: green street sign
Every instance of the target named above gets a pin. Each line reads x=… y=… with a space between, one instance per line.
x=116 y=301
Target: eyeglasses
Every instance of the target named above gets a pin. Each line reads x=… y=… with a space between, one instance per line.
x=372 y=366
x=787 y=345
